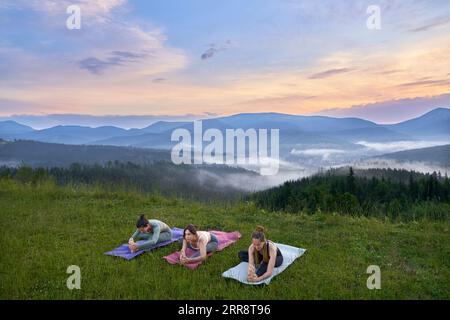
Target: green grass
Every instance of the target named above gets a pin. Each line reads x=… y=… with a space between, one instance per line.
x=45 y=229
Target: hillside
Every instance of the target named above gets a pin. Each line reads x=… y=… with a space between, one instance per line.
x=433 y=123
x=439 y=155
x=45 y=229
x=201 y=182
x=36 y=154
x=399 y=195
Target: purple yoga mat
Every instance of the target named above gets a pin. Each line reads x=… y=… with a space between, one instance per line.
x=124 y=252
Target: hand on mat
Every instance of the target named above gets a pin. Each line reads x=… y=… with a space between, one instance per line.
x=251 y=275
x=131 y=241
x=252 y=278
x=133 y=247
x=183 y=258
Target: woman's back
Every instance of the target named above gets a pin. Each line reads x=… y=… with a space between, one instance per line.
x=157 y=223
x=203 y=236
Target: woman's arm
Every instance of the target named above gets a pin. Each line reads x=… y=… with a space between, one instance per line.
x=131 y=244
x=202 y=246
x=183 y=251
x=270 y=265
x=135 y=234
x=156 y=230
x=183 y=247
x=251 y=264
x=251 y=261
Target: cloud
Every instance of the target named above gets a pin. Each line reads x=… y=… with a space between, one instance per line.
x=417 y=166
x=102 y=68
x=277 y=103
x=425 y=83
x=108 y=39
x=80 y=72
x=324 y=153
x=435 y=23
x=158 y=80
x=395 y=146
x=330 y=73
x=211 y=114
x=115 y=58
x=391 y=111
x=93 y=65
x=99 y=11
x=210 y=52
x=7 y=105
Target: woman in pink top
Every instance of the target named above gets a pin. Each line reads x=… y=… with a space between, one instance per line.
x=203 y=242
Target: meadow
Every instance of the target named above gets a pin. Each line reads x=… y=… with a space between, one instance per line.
x=45 y=228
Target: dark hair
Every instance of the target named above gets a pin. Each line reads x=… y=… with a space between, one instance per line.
x=142 y=221
x=258 y=234
x=192 y=229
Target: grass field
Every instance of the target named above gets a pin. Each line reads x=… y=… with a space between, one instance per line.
x=45 y=229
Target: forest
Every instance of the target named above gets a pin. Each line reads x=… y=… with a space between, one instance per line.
x=386 y=193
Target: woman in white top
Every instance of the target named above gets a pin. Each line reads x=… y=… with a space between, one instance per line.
x=203 y=242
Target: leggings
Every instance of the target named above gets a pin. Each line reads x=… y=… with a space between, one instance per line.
x=163 y=236
x=262 y=268
x=210 y=247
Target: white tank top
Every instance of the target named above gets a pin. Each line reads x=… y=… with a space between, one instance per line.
x=204 y=236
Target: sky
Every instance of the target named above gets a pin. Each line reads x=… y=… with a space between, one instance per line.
x=209 y=58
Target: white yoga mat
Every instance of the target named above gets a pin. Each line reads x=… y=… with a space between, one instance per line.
x=290 y=254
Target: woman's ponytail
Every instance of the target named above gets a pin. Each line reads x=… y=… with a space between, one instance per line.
x=259 y=234
x=142 y=221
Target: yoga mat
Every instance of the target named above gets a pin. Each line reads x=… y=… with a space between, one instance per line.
x=124 y=252
x=290 y=254
x=225 y=239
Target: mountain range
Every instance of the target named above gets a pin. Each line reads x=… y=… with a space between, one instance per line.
x=345 y=138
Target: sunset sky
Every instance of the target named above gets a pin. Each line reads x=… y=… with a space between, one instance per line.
x=204 y=57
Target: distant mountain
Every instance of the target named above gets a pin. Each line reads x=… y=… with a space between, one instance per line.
x=71 y=134
x=298 y=134
x=375 y=134
x=11 y=128
x=432 y=124
x=439 y=155
x=294 y=130
x=49 y=154
x=161 y=126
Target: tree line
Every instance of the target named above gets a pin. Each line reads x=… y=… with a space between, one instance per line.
x=180 y=181
x=397 y=194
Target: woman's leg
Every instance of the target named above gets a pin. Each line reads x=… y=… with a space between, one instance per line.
x=165 y=236
x=210 y=247
x=243 y=255
x=262 y=268
x=278 y=261
x=143 y=236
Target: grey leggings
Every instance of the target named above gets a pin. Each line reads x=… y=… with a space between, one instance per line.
x=163 y=236
x=210 y=247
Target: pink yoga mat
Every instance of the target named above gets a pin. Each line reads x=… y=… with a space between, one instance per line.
x=225 y=239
